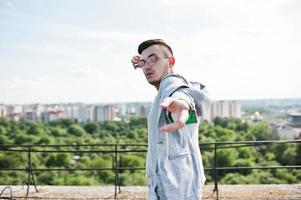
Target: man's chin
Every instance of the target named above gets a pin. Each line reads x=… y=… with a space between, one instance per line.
x=154 y=82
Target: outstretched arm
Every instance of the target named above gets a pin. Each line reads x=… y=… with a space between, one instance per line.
x=179 y=110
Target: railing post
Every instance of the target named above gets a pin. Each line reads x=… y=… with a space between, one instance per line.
x=117 y=181
x=115 y=166
x=215 y=171
x=30 y=173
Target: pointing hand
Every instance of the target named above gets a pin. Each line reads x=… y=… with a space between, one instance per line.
x=179 y=110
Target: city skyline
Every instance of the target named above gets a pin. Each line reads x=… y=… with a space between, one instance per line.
x=79 y=51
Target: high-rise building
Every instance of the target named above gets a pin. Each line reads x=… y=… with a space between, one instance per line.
x=3 y=110
x=85 y=113
x=71 y=111
x=53 y=115
x=105 y=112
x=14 y=112
x=224 y=109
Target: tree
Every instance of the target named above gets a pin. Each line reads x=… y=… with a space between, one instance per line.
x=289 y=156
x=4 y=140
x=219 y=121
x=104 y=176
x=2 y=130
x=131 y=161
x=76 y=130
x=110 y=126
x=91 y=127
x=4 y=122
x=298 y=154
x=138 y=122
x=35 y=129
x=262 y=132
x=58 y=160
x=57 y=132
x=22 y=138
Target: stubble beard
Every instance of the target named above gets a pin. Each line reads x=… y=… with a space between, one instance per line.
x=155 y=83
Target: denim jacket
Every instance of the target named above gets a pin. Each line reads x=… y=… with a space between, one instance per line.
x=176 y=156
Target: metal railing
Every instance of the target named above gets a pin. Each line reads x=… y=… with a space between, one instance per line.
x=119 y=149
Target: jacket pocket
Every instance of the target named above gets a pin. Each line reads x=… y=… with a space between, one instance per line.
x=178 y=155
x=179 y=174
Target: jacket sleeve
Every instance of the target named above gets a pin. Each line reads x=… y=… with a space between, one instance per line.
x=199 y=98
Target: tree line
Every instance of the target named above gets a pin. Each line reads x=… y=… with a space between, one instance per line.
x=66 y=131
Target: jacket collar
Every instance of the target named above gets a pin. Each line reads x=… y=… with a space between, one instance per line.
x=171 y=82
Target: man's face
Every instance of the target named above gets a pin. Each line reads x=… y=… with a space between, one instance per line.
x=156 y=72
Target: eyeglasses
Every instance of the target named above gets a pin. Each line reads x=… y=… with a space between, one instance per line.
x=151 y=61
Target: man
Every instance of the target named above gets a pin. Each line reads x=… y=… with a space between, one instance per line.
x=174 y=165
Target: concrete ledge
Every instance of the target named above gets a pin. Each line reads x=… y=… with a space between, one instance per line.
x=245 y=192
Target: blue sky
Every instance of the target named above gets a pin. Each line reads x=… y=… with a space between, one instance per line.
x=79 y=50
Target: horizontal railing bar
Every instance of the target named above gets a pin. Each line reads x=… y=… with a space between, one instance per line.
x=260 y=167
x=67 y=145
x=236 y=146
x=72 y=169
x=145 y=145
x=255 y=142
x=143 y=168
x=121 y=151
x=77 y=151
x=256 y=167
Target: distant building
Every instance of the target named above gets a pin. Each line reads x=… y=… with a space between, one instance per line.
x=29 y=114
x=85 y=113
x=291 y=128
x=53 y=115
x=288 y=132
x=3 y=110
x=130 y=110
x=105 y=112
x=224 y=109
x=294 y=119
x=143 y=111
x=71 y=111
x=120 y=110
x=38 y=109
x=32 y=112
x=14 y=112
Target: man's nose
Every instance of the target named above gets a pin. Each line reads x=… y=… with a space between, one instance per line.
x=147 y=66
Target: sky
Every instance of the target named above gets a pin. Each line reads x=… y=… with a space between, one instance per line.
x=64 y=51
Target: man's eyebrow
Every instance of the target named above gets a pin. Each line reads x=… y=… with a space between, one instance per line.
x=153 y=54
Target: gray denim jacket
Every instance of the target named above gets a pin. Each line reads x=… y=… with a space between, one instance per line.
x=176 y=156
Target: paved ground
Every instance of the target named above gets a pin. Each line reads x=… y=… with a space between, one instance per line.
x=244 y=192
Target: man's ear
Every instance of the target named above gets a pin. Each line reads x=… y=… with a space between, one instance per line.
x=172 y=60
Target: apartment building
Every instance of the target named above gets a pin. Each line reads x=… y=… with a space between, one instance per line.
x=104 y=112
x=224 y=109
x=3 y=110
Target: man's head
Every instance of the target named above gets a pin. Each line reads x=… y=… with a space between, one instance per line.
x=156 y=60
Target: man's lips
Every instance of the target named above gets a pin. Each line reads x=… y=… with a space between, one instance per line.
x=148 y=74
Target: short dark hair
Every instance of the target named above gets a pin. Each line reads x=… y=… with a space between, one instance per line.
x=148 y=43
